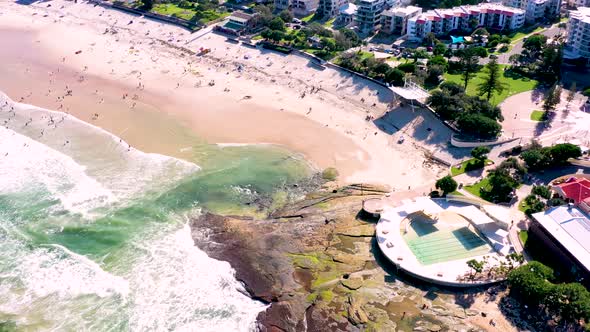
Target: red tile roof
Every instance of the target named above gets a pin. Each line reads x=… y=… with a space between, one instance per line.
x=577 y=189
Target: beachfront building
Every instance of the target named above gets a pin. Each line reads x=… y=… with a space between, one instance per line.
x=281 y=5
x=395 y=21
x=239 y=23
x=441 y=22
x=564 y=231
x=298 y=7
x=579 y=3
x=578 y=34
x=347 y=13
x=536 y=10
x=576 y=190
x=368 y=15
x=433 y=239
x=330 y=8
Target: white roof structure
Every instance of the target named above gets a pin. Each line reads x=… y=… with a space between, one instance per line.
x=571 y=228
x=582 y=14
x=402 y=11
x=348 y=9
x=411 y=91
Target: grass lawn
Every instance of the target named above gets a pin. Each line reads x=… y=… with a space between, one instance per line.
x=523 y=236
x=308 y=18
x=257 y=37
x=537 y=115
x=172 y=9
x=365 y=55
x=520 y=35
x=523 y=206
x=456 y=193
x=515 y=85
x=330 y=22
x=474 y=189
x=461 y=169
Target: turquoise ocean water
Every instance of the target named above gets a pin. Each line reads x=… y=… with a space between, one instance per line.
x=94 y=235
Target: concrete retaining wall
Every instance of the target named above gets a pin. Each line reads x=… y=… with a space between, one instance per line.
x=471 y=144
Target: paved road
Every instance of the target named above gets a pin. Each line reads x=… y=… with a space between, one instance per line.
x=517 y=47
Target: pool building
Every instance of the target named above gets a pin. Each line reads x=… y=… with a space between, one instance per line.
x=564 y=231
x=432 y=239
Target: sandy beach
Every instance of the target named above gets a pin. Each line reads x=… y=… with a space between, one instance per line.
x=131 y=76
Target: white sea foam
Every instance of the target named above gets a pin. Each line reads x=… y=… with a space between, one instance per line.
x=163 y=282
x=25 y=164
x=176 y=286
x=83 y=165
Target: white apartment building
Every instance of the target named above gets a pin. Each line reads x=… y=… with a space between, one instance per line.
x=579 y=3
x=368 y=15
x=298 y=7
x=578 y=36
x=281 y=5
x=466 y=18
x=536 y=9
x=395 y=20
x=330 y=8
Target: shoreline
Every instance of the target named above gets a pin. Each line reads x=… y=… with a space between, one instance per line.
x=335 y=136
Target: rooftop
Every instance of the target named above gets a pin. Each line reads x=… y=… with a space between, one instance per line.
x=582 y=14
x=348 y=9
x=577 y=189
x=402 y=11
x=465 y=11
x=571 y=228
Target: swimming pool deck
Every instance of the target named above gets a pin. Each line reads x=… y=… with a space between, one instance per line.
x=395 y=248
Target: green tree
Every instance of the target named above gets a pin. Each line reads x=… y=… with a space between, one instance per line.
x=480 y=153
x=439 y=49
x=535 y=159
x=395 y=77
x=552 y=98
x=492 y=82
x=476 y=266
x=264 y=15
x=478 y=125
x=542 y=191
x=430 y=39
x=147 y=5
x=501 y=185
x=561 y=153
x=408 y=67
x=550 y=63
x=534 y=44
x=572 y=93
x=468 y=62
x=286 y=16
x=276 y=24
x=447 y=184
x=434 y=74
x=475 y=104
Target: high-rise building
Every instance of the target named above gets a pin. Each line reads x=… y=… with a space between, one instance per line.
x=298 y=7
x=368 y=15
x=578 y=34
x=578 y=3
x=395 y=20
x=536 y=9
x=466 y=18
x=329 y=8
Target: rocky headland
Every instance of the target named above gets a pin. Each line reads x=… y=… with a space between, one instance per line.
x=315 y=262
